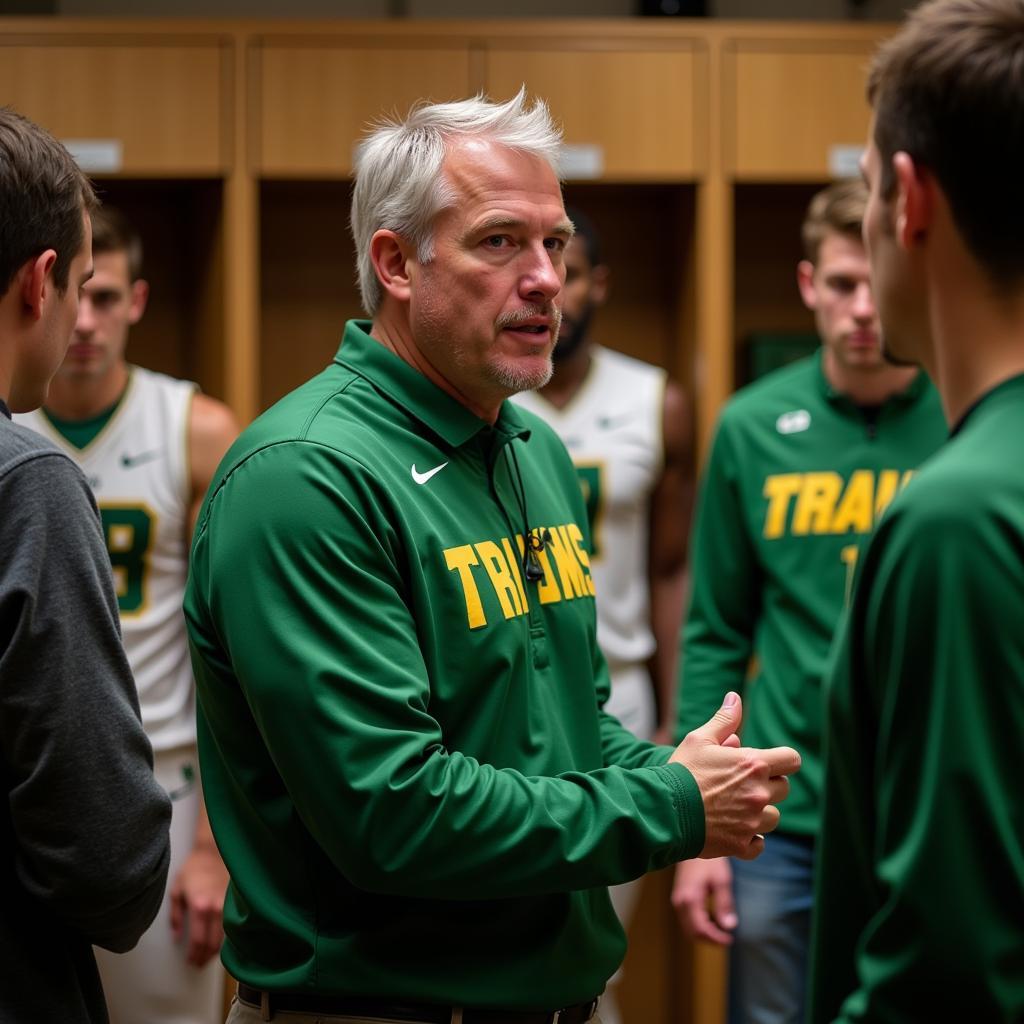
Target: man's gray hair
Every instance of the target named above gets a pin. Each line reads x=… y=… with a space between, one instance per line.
x=399 y=185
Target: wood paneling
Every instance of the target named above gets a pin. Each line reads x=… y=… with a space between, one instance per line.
x=307 y=266
x=768 y=248
x=163 y=103
x=641 y=107
x=789 y=103
x=315 y=102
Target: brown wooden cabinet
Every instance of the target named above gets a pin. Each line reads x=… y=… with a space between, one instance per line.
x=160 y=101
x=314 y=99
x=641 y=107
x=790 y=102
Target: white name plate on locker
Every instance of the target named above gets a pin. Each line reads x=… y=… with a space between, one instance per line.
x=581 y=161
x=96 y=155
x=844 y=161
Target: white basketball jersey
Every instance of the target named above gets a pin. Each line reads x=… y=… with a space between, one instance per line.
x=612 y=428
x=138 y=469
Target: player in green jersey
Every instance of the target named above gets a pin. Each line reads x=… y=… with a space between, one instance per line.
x=920 y=899
x=803 y=463
x=419 y=797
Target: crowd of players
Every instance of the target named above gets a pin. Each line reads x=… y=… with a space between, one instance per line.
x=445 y=702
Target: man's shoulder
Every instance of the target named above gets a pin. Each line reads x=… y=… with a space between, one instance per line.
x=799 y=380
x=40 y=482
x=21 y=446
x=966 y=491
x=154 y=380
x=783 y=400
x=329 y=411
x=618 y=362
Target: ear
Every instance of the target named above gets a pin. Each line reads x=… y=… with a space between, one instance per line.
x=391 y=254
x=805 y=282
x=36 y=281
x=915 y=201
x=600 y=282
x=139 y=298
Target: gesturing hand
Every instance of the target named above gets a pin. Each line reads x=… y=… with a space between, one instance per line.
x=739 y=785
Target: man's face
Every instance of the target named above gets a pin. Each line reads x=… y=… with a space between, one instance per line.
x=838 y=289
x=890 y=279
x=585 y=289
x=110 y=305
x=32 y=382
x=484 y=311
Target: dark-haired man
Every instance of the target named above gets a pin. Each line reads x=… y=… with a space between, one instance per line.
x=920 y=893
x=149 y=445
x=627 y=429
x=83 y=831
x=803 y=463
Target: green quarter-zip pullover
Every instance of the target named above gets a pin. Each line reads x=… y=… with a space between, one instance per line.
x=920 y=888
x=797 y=478
x=407 y=767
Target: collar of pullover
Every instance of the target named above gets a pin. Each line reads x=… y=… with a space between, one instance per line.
x=843 y=401
x=407 y=387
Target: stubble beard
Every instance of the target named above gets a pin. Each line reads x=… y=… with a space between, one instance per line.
x=511 y=375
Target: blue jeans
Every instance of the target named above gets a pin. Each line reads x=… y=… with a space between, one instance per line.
x=768 y=958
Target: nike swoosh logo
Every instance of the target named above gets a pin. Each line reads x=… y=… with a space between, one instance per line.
x=128 y=461
x=422 y=478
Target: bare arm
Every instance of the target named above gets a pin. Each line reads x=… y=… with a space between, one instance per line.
x=197 y=895
x=671 y=505
x=212 y=429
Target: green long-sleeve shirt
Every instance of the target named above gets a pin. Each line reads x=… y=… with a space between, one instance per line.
x=920 y=896
x=406 y=764
x=797 y=477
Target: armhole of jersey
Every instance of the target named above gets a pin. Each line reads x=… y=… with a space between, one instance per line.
x=186 y=450
x=659 y=427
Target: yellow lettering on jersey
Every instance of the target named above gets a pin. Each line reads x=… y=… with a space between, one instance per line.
x=459 y=560
x=848 y=556
x=856 y=510
x=575 y=534
x=825 y=506
x=779 y=490
x=517 y=573
x=816 y=503
x=501 y=578
x=547 y=588
x=569 y=569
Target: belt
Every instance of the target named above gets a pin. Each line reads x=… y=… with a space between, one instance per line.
x=270 y=1003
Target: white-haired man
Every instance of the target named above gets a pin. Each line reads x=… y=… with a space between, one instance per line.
x=419 y=798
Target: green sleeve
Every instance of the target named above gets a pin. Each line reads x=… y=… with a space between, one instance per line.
x=942 y=669
x=717 y=638
x=621 y=747
x=618 y=745
x=299 y=542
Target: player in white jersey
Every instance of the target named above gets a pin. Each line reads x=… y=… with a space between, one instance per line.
x=626 y=427
x=149 y=445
